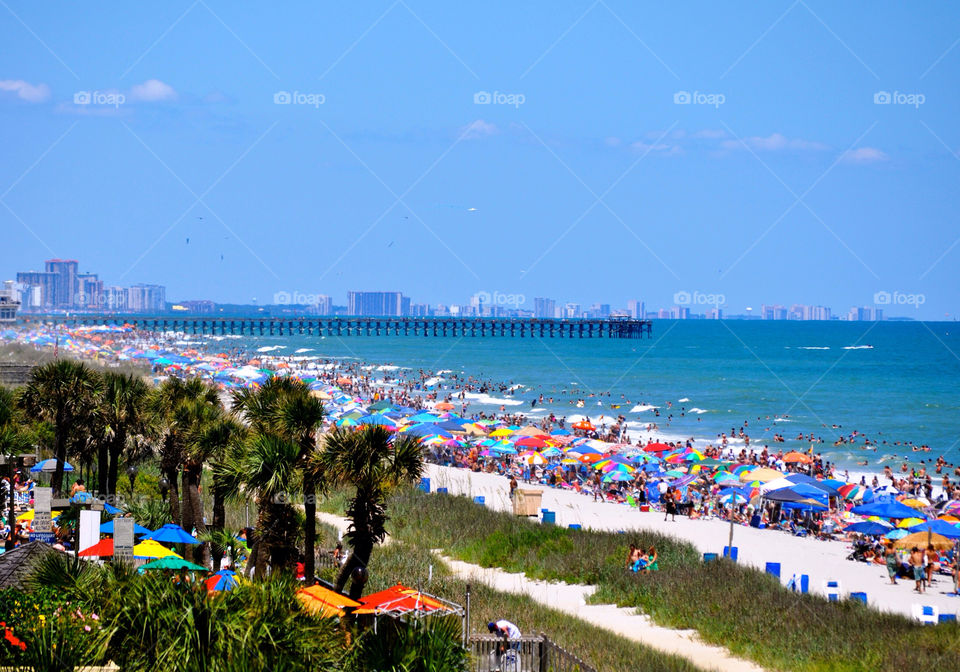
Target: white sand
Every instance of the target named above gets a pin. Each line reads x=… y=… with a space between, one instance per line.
x=820 y=560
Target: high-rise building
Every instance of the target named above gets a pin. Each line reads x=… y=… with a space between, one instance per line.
x=115 y=300
x=147 y=298
x=680 y=313
x=635 y=308
x=9 y=301
x=38 y=288
x=375 y=304
x=89 y=289
x=544 y=307
x=571 y=310
x=65 y=284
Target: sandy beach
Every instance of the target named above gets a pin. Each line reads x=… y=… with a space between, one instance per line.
x=821 y=560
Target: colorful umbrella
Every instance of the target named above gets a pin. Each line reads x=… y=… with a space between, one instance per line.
x=222 y=580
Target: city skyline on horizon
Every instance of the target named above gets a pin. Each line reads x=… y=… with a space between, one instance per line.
x=62 y=287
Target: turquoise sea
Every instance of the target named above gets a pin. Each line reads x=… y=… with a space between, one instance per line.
x=892 y=381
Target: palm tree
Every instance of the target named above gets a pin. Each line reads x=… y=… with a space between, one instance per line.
x=175 y=407
x=12 y=442
x=211 y=440
x=61 y=393
x=268 y=469
x=125 y=415
x=300 y=416
x=284 y=407
x=373 y=462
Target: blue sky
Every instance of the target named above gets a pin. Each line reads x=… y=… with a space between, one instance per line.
x=781 y=181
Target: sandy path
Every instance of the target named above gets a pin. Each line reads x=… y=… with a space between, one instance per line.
x=820 y=560
x=571 y=599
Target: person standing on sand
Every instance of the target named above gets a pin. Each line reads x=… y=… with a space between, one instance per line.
x=916 y=562
x=893 y=564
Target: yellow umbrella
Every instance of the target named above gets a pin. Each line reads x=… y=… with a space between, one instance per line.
x=922 y=540
x=503 y=431
x=909 y=522
x=153 y=549
x=762 y=474
x=914 y=503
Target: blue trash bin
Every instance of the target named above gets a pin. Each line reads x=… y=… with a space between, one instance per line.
x=773 y=568
x=860 y=597
x=947 y=618
x=442 y=491
x=549 y=517
x=574 y=526
x=804 y=583
x=731 y=553
x=707 y=557
x=481 y=500
x=425 y=484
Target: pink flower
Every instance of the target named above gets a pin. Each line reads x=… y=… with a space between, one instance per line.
x=94 y=617
x=86 y=628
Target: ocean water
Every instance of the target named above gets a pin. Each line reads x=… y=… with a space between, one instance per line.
x=891 y=381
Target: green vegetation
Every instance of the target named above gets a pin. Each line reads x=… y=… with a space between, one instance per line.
x=600 y=648
x=738 y=607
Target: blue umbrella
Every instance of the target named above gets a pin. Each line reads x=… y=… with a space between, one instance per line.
x=172 y=534
x=891 y=509
x=377 y=419
x=868 y=527
x=107 y=528
x=733 y=497
x=49 y=466
x=941 y=527
x=222 y=580
x=898 y=533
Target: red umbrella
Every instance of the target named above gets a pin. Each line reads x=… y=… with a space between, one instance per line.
x=656 y=447
x=531 y=442
x=101 y=549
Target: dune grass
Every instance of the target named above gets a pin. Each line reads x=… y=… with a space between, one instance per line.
x=738 y=607
x=600 y=648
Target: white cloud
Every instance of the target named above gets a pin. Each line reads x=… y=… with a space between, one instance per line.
x=710 y=134
x=34 y=93
x=775 y=142
x=152 y=90
x=479 y=129
x=641 y=146
x=864 y=155
x=612 y=142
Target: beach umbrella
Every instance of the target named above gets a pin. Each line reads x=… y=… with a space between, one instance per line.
x=101 y=549
x=49 y=466
x=222 y=580
x=533 y=457
x=550 y=452
x=503 y=431
x=732 y=497
x=795 y=457
x=853 y=492
x=897 y=533
x=560 y=432
x=172 y=534
x=890 y=509
x=531 y=442
x=151 y=549
x=617 y=476
x=940 y=527
x=761 y=474
x=907 y=523
x=107 y=528
x=656 y=447
x=444 y=406
x=170 y=562
x=725 y=477
x=377 y=419
x=923 y=540
x=868 y=527
x=915 y=502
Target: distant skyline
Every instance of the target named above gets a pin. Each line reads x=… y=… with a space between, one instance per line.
x=796 y=153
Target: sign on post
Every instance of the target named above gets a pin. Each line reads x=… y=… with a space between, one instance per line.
x=123 y=540
x=42 y=526
x=89 y=529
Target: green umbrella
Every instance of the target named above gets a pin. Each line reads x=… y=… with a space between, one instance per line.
x=171 y=562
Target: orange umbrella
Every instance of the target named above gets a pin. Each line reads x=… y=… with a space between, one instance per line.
x=583 y=424
x=344 y=381
x=324 y=602
x=444 y=406
x=794 y=456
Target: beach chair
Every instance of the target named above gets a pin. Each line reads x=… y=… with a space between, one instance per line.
x=833 y=589
x=926 y=614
